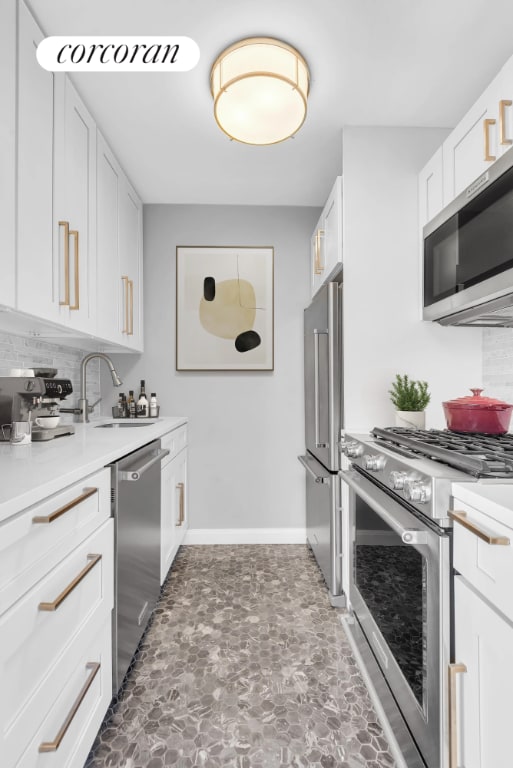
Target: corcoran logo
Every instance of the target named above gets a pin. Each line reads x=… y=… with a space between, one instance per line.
x=118 y=54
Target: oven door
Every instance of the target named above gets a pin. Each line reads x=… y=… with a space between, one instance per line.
x=400 y=590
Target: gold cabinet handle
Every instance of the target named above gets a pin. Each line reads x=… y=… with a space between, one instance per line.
x=93 y=560
x=58 y=512
x=454 y=669
x=124 y=278
x=503 y=103
x=65 y=224
x=461 y=518
x=53 y=746
x=318 y=267
x=76 y=305
x=181 y=488
x=131 y=287
x=486 y=131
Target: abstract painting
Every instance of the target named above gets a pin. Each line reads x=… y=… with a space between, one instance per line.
x=224 y=308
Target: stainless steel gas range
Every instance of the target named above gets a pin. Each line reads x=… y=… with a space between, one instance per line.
x=400 y=583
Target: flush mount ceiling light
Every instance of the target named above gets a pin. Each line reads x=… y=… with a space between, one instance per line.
x=260 y=88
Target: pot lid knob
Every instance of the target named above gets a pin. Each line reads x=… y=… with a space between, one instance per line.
x=476 y=392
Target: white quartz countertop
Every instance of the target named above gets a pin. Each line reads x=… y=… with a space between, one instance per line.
x=492 y=498
x=29 y=473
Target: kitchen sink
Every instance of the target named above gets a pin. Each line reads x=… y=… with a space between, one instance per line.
x=119 y=424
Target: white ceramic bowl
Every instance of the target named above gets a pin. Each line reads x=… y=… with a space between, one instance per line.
x=47 y=422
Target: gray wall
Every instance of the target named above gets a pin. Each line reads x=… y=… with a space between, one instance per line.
x=246 y=429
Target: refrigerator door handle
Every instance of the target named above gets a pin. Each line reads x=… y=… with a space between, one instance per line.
x=318 y=443
x=317 y=478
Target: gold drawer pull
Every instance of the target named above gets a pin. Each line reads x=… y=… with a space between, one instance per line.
x=503 y=103
x=181 y=518
x=454 y=669
x=461 y=518
x=318 y=267
x=65 y=224
x=76 y=305
x=93 y=559
x=486 y=125
x=58 y=512
x=53 y=746
x=131 y=286
x=125 y=321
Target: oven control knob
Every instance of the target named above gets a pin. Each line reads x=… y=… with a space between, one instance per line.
x=397 y=480
x=353 y=450
x=374 y=463
x=416 y=490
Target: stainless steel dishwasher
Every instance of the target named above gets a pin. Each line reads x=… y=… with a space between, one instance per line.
x=135 y=496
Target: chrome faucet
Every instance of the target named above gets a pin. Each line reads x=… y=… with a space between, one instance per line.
x=84 y=409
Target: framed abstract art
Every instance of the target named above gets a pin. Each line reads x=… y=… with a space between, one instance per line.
x=224 y=308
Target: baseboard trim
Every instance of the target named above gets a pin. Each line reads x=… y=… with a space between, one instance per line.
x=245 y=536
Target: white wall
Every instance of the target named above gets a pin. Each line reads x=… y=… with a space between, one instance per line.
x=246 y=429
x=498 y=363
x=383 y=332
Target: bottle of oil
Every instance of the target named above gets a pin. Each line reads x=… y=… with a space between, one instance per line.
x=132 y=413
x=142 y=403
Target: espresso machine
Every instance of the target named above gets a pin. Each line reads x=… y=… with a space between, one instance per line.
x=29 y=394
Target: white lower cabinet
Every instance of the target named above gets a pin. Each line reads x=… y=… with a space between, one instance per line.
x=483 y=625
x=56 y=601
x=174 y=518
x=484 y=641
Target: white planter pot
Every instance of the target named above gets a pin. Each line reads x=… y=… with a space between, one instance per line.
x=410 y=419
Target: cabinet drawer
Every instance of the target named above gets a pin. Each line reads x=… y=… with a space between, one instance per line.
x=487 y=567
x=30 y=546
x=81 y=682
x=174 y=441
x=42 y=624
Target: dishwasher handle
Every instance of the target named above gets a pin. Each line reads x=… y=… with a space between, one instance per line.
x=135 y=474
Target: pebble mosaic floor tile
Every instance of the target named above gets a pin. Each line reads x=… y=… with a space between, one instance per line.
x=244 y=665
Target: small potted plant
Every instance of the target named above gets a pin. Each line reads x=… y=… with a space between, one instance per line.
x=410 y=399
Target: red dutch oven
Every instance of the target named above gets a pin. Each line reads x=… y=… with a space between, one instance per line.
x=477 y=414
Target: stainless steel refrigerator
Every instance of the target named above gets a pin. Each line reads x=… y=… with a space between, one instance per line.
x=323 y=425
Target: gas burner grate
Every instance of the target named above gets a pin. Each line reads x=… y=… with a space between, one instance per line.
x=478 y=454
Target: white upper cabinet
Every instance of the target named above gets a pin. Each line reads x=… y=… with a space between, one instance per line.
x=470 y=149
x=481 y=137
x=130 y=243
x=317 y=256
x=50 y=200
x=108 y=273
x=119 y=253
x=36 y=288
x=431 y=197
x=326 y=243
x=7 y=149
x=74 y=221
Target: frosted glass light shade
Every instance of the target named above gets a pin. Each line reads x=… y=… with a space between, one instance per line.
x=260 y=89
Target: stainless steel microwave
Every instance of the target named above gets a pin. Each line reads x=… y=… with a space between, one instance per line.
x=468 y=253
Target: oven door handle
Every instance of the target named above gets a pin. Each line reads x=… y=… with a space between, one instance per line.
x=407 y=535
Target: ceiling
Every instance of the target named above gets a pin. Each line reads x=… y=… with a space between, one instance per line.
x=372 y=62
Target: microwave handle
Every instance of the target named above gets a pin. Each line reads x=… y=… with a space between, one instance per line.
x=407 y=535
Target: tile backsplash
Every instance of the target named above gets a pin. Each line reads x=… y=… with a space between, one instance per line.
x=498 y=363
x=28 y=352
